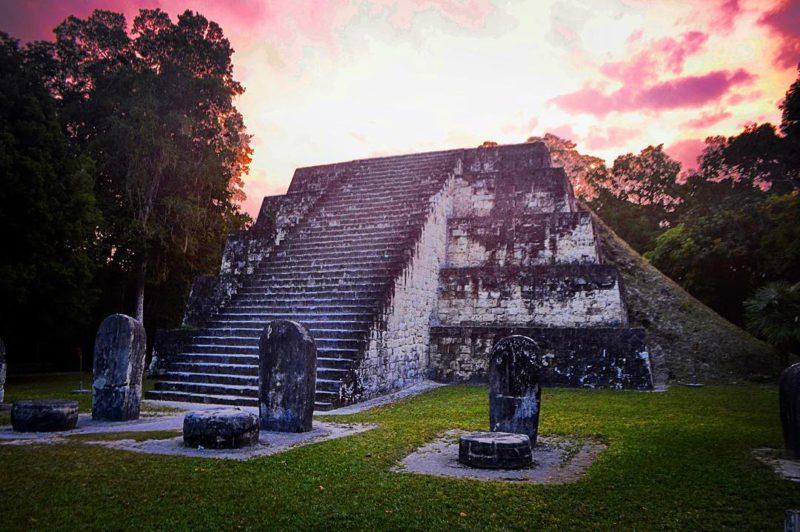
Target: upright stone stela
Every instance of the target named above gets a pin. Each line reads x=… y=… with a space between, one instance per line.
x=408 y=267
x=789 y=400
x=119 y=350
x=287 y=375
x=515 y=391
x=2 y=371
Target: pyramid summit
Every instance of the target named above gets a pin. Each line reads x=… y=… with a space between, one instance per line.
x=410 y=267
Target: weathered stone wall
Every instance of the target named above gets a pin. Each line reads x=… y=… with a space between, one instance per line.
x=397 y=353
x=552 y=296
x=522 y=240
x=573 y=357
x=246 y=250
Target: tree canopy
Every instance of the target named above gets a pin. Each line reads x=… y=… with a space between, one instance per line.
x=155 y=111
x=47 y=212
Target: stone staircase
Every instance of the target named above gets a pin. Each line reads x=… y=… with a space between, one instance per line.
x=332 y=273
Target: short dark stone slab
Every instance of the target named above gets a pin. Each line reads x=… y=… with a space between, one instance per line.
x=514 y=387
x=223 y=428
x=119 y=349
x=789 y=399
x=2 y=371
x=495 y=450
x=44 y=415
x=287 y=377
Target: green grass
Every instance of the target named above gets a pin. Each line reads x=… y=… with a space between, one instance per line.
x=680 y=460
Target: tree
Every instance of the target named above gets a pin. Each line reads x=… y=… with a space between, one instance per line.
x=773 y=313
x=47 y=212
x=155 y=110
x=638 y=197
x=723 y=255
x=790 y=108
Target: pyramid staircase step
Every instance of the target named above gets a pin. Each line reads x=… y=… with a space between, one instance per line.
x=329 y=273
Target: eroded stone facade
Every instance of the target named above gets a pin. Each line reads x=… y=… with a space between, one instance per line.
x=410 y=267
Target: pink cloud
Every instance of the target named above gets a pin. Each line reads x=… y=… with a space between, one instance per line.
x=565 y=132
x=613 y=137
x=686 y=152
x=726 y=14
x=735 y=99
x=706 y=120
x=784 y=23
x=688 y=91
x=647 y=59
x=676 y=52
x=692 y=91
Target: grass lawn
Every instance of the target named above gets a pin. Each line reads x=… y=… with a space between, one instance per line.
x=680 y=460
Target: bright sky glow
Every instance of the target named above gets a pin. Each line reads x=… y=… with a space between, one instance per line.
x=330 y=81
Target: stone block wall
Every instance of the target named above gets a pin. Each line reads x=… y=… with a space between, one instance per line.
x=548 y=296
x=397 y=353
x=573 y=357
x=522 y=240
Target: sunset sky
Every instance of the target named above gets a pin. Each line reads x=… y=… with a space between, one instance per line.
x=330 y=81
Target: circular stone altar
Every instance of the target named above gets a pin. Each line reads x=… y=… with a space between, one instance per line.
x=495 y=450
x=44 y=415
x=222 y=428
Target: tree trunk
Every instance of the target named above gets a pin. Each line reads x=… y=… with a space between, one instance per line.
x=141 y=271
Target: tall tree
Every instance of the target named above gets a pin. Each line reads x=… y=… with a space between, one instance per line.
x=48 y=216
x=155 y=110
x=638 y=196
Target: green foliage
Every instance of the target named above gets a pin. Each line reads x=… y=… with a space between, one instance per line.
x=48 y=215
x=638 y=196
x=790 y=107
x=155 y=111
x=773 y=313
x=680 y=460
x=722 y=256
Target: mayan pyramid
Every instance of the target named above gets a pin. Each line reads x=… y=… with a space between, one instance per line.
x=406 y=268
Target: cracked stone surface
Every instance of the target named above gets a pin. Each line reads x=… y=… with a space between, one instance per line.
x=223 y=428
x=119 y=350
x=555 y=461
x=287 y=375
x=44 y=415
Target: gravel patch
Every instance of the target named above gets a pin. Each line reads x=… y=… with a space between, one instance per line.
x=555 y=461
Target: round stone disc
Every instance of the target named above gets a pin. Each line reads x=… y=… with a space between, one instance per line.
x=495 y=450
x=44 y=415
x=223 y=428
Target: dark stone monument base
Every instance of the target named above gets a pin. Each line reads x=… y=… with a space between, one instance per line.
x=495 y=450
x=224 y=428
x=116 y=404
x=44 y=415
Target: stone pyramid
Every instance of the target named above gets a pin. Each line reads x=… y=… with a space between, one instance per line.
x=405 y=268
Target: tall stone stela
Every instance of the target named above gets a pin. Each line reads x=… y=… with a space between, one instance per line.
x=119 y=350
x=287 y=376
x=515 y=390
x=789 y=399
x=2 y=371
